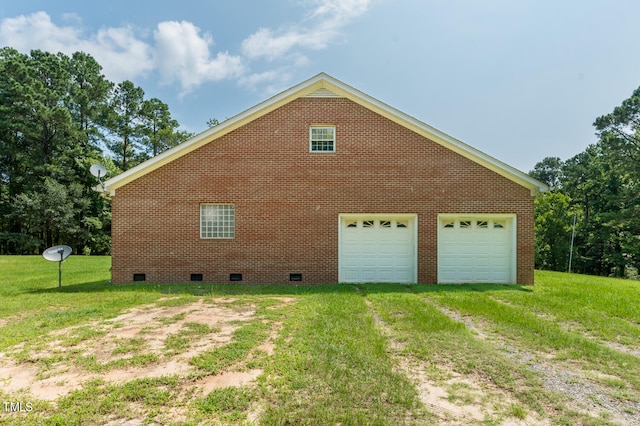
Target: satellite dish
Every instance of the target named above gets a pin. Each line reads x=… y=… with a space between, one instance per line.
x=98 y=170
x=57 y=254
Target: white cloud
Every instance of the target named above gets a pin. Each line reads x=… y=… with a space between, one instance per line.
x=322 y=26
x=183 y=54
x=180 y=52
x=340 y=11
x=25 y=32
x=265 y=43
x=119 y=51
x=121 y=54
x=272 y=82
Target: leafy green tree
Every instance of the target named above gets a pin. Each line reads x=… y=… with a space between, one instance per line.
x=41 y=142
x=619 y=131
x=89 y=95
x=47 y=214
x=159 y=129
x=58 y=113
x=34 y=95
x=123 y=121
x=592 y=190
x=603 y=186
x=619 y=203
x=51 y=112
x=549 y=171
x=553 y=227
x=604 y=193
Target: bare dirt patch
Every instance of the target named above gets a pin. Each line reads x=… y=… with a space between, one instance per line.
x=148 y=341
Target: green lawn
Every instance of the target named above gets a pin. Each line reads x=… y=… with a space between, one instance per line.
x=565 y=351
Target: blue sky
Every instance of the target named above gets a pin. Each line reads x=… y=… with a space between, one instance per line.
x=518 y=79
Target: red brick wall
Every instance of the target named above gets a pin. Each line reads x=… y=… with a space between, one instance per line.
x=287 y=200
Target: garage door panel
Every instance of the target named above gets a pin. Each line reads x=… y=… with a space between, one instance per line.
x=466 y=250
x=350 y=263
x=450 y=250
x=475 y=249
x=483 y=277
x=369 y=262
x=351 y=275
x=466 y=276
x=387 y=275
x=384 y=262
x=500 y=250
x=367 y=249
x=377 y=249
x=403 y=262
x=482 y=262
x=367 y=276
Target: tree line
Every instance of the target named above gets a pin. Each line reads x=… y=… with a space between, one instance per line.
x=599 y=187
x=59 y=115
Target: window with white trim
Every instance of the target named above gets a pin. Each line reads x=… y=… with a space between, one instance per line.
x=217 y=221
x=322 y=139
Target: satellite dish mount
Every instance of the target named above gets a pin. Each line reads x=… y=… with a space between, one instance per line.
x=57 y=254
x=99 y=171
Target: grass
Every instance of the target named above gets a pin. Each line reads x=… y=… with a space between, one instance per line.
x=335 y=368
x=343 y=353
x=243 y=341
x=229 y=404
x=572 y=306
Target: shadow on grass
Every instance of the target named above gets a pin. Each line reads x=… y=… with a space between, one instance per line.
x=285 y=290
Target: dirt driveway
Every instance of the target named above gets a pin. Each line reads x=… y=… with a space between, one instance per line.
x=164 y=338
x=149 y=341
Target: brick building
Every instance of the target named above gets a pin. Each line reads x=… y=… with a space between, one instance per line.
x=323 y=184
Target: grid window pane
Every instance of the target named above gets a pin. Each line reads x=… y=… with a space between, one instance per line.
x=322 y=139
x=217 y=221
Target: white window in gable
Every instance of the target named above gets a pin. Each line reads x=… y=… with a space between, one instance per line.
x=217 y=221
x=322 y=139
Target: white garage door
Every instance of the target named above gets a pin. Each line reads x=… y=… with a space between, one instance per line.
x=476 y=249
x=377 y=248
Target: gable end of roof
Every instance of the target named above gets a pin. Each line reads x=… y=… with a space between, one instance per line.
x=324 y=86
